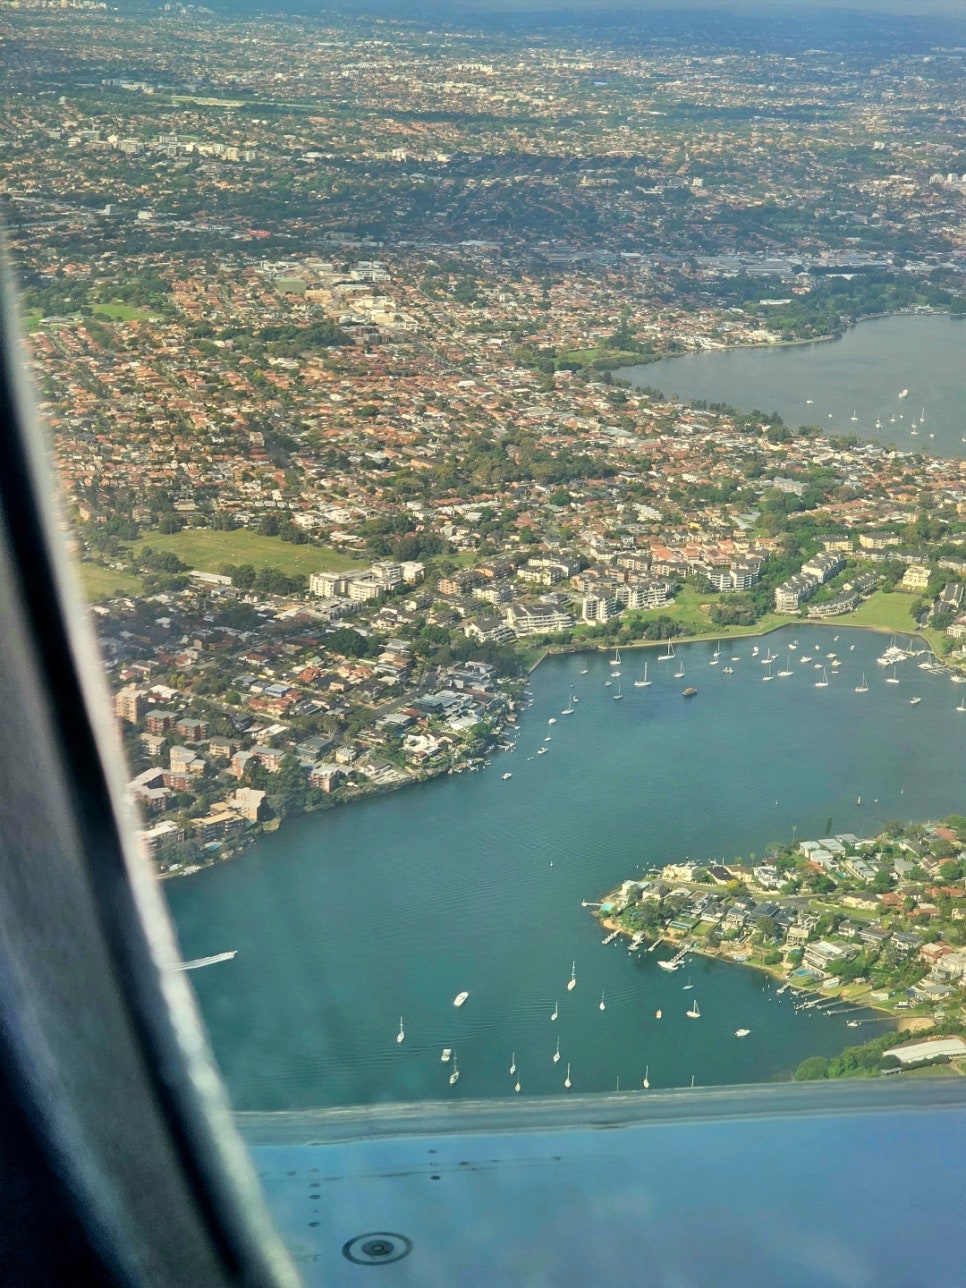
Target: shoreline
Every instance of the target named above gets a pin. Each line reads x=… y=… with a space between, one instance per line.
x=912 y=1022
x=790 y=344
x=548 y=652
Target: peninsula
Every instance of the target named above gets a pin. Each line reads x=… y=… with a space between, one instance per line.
x=847 y=922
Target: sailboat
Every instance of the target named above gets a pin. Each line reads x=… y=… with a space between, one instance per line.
x=893 y=678
x=513 y=1064
x=572 y=982
x=769 y=676
x=618 y=695
x=646 y=1081
x=643 y=683
x=555 y=1012
x=694 y=1013
x=658 y=1013
x=788 y=667
x=556 y=1054
x=567 y=1079
x=516 y=1085
x=569 y=708
x=401 y=1035
x=853 y=417
x=584 y=670
x=679 y=673
x=666 y=657
x=454 y=1077
x=863 y=687
x=602 y=1006
x=823 y=682
x=616 y=659
x=688 y=985
x=962 y=705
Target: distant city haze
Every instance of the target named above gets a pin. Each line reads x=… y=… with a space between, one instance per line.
x=911 y=8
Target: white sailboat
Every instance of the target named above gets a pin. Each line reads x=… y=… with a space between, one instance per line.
x=616 y=659
x=823 y=682
x=666 y=657
x=572 y=982
x=556 y=1054
x=567 y=1082
x=685 y=987
x=454 y=1077
x=962 y=705
x=618 y=695
x=787 y=668
x=556 y=1012
x=513 y=1064
x=893 y=678
x=646 y=1081
x=401 y=1035
x=742 y=1033
x=602 y=1006
x=694 y=1013
x=447 y=1055
x=642 y=683
x=568 y=710
x=769 y=676
x=516 y=1085
x=679 y=673
x=584 y=670
x=863 y=687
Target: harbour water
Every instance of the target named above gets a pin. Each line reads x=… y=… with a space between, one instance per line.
x=347 y=920
x=827 y=383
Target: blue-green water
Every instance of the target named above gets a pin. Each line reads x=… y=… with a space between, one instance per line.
x=827 y=383
x=347 y=920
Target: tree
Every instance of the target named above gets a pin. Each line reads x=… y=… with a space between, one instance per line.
x=882 y=881
x=766 y=927
x=812 y=1070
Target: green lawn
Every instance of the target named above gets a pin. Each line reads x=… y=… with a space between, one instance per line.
x=106 y=583
x=688 y=609
x=207 y=550
x=123 y=312
x=888 y=612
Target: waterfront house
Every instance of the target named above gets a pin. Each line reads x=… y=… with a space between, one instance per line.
x=822 y=954
x=326 y=776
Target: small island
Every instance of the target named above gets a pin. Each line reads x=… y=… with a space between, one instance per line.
x=846 y=922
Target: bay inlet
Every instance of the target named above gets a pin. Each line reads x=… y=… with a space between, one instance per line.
x=850 y=385
x=345 y=921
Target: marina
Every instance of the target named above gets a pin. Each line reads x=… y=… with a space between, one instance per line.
x=354 y=917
